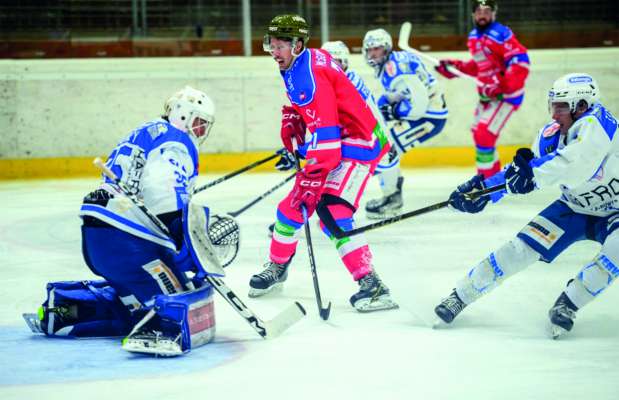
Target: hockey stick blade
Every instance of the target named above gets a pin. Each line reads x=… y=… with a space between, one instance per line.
x=405 y=34
x=266 y=329
x=325 y=312
x=284 y=320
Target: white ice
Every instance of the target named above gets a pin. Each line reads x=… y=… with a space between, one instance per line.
x=497 y=349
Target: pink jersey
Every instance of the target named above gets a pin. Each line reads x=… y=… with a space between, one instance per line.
x=340 y=122
x=498 y=57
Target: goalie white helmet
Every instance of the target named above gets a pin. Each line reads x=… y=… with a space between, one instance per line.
x=338 y=51
x=572 y=88
x=373 y=39
x=191 y=111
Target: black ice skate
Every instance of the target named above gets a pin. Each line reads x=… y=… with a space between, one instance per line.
x=373 y=295
x=272 y=278
x=562 y=315
x=387 y=206
x=449 y=308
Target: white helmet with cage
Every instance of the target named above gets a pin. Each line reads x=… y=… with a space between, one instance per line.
x=338 y=51
x=191 y=111
x=573 y=88
x=377 y=38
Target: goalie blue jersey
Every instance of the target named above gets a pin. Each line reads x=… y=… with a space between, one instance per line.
x=159 y=164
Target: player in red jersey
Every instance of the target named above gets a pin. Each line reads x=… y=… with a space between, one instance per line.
x=501 y=65
x=343 y=145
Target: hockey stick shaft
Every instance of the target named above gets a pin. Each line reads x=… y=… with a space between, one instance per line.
x=322 y=311
x=404 y=39
x=281 y=322
x=261 y=197
x=235 y=173
x=339 y=234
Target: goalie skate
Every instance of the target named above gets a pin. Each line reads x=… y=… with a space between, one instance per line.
x=154 y=343
x=33 y=322
x=373 y=295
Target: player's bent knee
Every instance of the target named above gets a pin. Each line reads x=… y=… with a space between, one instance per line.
x=598 y=275
x=483 y=137
x=512 y=257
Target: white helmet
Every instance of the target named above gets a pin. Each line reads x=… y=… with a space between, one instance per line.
x=572 y=88
x=338 y=51
x=377 y=38
x=191 y=111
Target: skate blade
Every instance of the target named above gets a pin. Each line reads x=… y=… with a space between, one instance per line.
x=253 y=292
x=556 y=331
x=33 y=322
x=160 y=347
x=379 y=304
x=440 y=324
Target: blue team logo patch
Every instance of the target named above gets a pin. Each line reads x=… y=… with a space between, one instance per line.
x=391 y=69
x=580 y=79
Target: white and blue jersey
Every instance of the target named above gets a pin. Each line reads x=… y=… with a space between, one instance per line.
x=584 y=163
x=159 y=164
x=410 y=88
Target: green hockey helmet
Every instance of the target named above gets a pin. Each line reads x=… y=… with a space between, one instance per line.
x=286 y=26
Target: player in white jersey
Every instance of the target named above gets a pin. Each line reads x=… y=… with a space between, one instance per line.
x=412 y=102
x=146 y=293
x=579 y=152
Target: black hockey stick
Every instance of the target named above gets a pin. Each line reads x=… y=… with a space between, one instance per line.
x=235 y=173
x=324 y=312
x=261 y=197
x=267 y=329
x=339 y=234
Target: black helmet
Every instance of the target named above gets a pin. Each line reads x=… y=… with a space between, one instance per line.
x=484 y=3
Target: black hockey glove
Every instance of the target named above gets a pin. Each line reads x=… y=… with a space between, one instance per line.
x=519 y=177
x=286 y=162
x=460 y=202
x=99 y=197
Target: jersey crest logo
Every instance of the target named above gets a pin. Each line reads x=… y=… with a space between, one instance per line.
x=390 y=68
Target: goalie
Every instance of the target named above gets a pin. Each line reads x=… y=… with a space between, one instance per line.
x=147 y=293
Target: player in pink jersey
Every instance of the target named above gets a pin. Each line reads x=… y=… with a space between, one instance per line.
x=501 y=65
x=343 y=145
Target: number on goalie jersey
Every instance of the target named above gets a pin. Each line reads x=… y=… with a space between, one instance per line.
x=579 y=152
x=414 y=106
x=144 y=269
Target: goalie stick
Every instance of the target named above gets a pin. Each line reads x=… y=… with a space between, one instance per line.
x=267 y=329
x=339 y=234
x=235 y=173
x=403 y=40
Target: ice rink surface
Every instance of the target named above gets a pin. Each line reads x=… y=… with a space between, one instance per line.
x=497 y=349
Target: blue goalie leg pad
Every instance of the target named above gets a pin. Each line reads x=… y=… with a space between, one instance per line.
x=83 y=309
x=176 y=324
